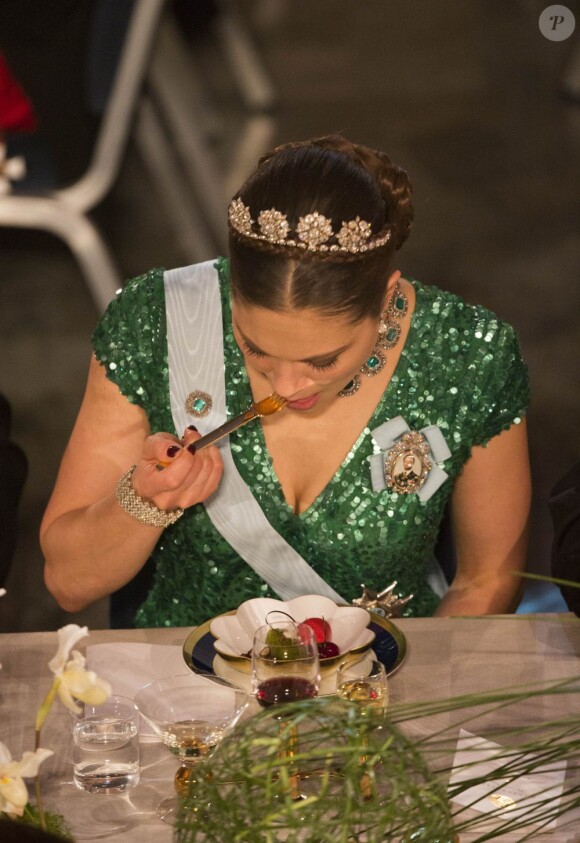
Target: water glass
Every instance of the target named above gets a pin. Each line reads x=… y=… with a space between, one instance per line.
x=106 y=746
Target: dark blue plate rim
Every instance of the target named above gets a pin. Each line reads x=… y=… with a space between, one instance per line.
x=390 y=646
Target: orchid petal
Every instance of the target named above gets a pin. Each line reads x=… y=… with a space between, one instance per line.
x=13 y=794
x=85 y=685
x=66 y=699
x=76 y=662
x=31 y=761
x=67 y=637
x=5 y=756
x=13 y=791
x=15 y=168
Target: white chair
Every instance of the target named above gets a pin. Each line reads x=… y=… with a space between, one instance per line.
x=65 y=212
x=176 y=130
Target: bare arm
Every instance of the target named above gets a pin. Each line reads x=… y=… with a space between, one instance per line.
x=91 y=545
x=490 y=507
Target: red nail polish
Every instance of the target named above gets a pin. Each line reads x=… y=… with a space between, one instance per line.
x=173 y=450
x=192 y=427
x=191 y=448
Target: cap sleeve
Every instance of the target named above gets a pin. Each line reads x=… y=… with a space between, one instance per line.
x=500 y=383
x=129 y=339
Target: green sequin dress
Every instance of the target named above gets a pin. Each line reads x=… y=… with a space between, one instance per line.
x=460 y=368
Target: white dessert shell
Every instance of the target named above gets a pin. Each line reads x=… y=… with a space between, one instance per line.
x=235 y=633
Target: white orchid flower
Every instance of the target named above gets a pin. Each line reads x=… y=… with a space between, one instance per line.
x=71 y=680
x=67 y=637
x=81 y=684
x=13 y=791
x=11 y=169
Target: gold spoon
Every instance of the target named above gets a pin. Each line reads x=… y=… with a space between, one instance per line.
x=266 y=407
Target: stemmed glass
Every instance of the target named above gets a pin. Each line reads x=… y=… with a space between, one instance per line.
x=285 y=668
x=363 y=681
x=191 y=713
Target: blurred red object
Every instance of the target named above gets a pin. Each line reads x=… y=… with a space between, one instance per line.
x=16 y=110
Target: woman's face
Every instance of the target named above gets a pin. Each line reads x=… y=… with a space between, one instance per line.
x=303 y=355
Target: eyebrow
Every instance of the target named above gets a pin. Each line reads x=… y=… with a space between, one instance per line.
x=319 y=357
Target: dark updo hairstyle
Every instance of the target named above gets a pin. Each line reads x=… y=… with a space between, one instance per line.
x=340 y=180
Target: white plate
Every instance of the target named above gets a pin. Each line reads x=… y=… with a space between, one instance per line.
x=235 y=632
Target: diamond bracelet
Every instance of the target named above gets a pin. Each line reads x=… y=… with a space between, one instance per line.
x=137 y=507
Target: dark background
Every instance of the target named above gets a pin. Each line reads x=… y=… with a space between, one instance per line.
x=468 y=96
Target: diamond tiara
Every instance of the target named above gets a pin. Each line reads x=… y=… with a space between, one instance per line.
x=312 y=232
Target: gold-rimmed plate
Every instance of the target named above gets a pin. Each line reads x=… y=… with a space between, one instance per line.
x=389 y=646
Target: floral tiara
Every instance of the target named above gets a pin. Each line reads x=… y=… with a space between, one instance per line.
x=312 y=232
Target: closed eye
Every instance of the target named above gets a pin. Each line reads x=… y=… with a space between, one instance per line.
x=255 y=352
x=321 y=366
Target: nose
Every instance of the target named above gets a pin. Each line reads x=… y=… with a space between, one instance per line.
x=289 y=379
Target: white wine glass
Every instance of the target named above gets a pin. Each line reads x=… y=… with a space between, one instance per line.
x=285 y=669
x=364 y=681
x=191 y=713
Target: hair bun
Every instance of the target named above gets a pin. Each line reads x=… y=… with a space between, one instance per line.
x=394 y=183
x=397 y=192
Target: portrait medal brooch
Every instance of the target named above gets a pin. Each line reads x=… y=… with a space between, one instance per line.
x=408 y=461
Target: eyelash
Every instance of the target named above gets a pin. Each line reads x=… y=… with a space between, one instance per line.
x=255 y=353
x=329 y=365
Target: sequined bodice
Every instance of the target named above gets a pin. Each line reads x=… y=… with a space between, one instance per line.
x=453 y=372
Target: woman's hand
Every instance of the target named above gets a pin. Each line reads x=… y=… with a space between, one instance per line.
x=172 y=475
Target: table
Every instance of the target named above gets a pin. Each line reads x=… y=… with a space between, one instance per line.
x=446 y=656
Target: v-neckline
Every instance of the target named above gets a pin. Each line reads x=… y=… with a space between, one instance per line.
x=258 y=430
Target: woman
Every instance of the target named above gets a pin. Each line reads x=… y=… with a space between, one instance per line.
x=311 y=308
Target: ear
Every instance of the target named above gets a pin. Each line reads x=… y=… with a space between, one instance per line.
x=393 y=278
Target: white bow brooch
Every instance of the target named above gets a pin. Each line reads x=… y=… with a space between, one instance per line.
x=408 y=459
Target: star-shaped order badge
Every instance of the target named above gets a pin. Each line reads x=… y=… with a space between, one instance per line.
x=386 y=603
x=408 y=462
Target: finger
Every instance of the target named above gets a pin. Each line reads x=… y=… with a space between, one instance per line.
x=214 y=478
x=190 y=434
x=205 y=476
x=200 y=463
x=201 y=479
x=161 y=468
x=161 y=446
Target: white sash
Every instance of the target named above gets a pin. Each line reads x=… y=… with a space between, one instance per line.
x=196 y=362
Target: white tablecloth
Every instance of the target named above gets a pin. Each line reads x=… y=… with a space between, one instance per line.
x=445 y=657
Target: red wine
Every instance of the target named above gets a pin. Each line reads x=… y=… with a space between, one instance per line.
x=283 y=689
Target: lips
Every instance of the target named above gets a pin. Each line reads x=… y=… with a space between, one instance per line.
x=304 y=403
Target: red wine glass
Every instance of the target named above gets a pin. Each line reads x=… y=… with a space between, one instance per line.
x=285 y=664
x=285 y=668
